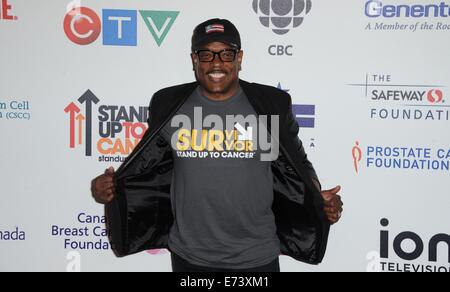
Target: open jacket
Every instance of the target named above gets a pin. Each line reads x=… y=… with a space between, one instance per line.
x=140 y=217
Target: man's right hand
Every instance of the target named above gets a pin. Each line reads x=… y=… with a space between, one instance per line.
x=103 y=187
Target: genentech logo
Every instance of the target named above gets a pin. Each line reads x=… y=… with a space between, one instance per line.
x=414 y=158
x=110 y=131
x=83 y=26
x=391 y=9
x=407 y=251
x=6 y=11
x=408 y=17
x=281 y=15
x=389 y=100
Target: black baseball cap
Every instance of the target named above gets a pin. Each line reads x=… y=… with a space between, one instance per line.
x=216 y=30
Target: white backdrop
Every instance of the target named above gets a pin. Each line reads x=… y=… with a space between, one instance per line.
x=376 y=73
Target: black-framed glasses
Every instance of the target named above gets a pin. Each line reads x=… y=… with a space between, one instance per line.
x=226 y=55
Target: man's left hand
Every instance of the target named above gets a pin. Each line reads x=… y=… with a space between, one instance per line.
x=333 y=204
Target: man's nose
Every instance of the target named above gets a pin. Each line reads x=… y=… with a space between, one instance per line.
x=217 y=60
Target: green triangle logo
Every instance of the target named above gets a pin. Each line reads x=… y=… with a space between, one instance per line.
x=159 y=23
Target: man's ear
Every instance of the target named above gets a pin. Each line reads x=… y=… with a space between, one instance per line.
x=194 y=61
x=240 y=56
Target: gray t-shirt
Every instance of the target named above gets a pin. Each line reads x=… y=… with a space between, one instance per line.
x=222 y=192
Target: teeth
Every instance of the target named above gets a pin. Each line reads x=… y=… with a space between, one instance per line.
x=217 y=75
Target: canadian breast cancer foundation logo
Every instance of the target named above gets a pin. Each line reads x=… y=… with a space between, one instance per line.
x=282 y=15
x=414 y=158
x=120 y=128
x=6 y=11
x=399 y=101
x=83 y=26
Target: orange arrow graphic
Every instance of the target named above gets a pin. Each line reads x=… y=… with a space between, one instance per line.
x=80 y=118
x=72 y=109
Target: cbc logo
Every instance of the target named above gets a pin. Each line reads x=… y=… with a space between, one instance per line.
x=281 y=15
x=279 y=50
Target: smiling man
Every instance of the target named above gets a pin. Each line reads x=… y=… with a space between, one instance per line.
x=202 y=183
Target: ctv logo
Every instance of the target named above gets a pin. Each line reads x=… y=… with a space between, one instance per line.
x=5 y=11
x=83 y=26
x=120 y=128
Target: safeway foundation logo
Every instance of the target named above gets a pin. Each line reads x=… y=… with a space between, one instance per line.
x=109 y=131
x=413 y=158
x=6 y=10
x=83 y=26
x=396 y=101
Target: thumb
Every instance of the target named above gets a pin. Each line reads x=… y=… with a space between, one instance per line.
x=109 y=171
x=334 y=190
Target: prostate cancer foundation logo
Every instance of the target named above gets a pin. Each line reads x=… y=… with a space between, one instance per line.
x=414 y=158
x=281 y=15
x=83 y=26
x=120 y=128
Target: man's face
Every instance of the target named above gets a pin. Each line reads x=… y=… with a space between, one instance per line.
x=219 y=79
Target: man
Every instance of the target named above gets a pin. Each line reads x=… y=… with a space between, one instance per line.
x=208 y=193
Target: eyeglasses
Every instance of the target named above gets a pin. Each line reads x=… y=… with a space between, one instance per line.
x=226 y=55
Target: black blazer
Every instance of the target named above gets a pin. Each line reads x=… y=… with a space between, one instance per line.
x=140 y=217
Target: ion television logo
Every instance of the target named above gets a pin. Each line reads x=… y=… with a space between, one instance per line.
x=110 y=131
x=407 y=251
x=281 y=15
x=83 y=26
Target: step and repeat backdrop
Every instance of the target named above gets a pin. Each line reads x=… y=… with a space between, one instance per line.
x=370 y=86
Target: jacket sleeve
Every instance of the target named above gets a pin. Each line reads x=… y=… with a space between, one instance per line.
x=293 y=130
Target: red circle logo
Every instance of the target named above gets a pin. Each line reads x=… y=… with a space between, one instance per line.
x=435 y=96
x=82 y=25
